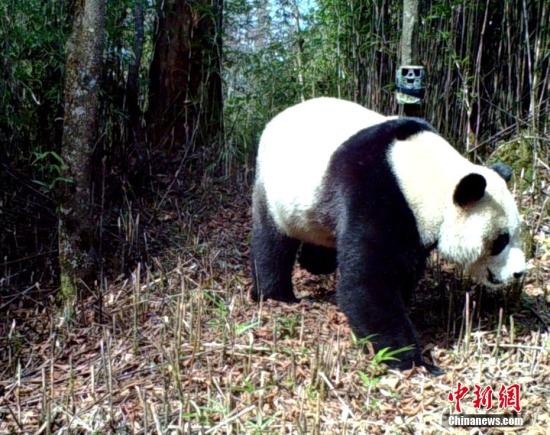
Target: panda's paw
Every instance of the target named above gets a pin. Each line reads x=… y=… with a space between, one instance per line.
x=286 y=298
x=417 y=362
x=433 y=369
x=329 y=297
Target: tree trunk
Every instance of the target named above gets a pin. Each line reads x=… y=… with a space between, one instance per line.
x=136 y=136
x=77 y=228
x=408 y=39
x=185 y=94
x=410 y=20
x=299 y=48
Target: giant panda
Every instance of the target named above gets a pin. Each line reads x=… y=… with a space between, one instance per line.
x=348 y=187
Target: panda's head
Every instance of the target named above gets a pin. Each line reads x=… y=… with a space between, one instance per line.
x=481 y=227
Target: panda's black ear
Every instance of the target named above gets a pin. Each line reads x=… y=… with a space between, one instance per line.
x=503 y=170
x=469 y=190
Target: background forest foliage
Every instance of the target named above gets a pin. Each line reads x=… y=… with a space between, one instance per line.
x=164 y=337
x=488 y=89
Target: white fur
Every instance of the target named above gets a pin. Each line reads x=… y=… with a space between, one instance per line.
x=293 y=155
x=428 y=170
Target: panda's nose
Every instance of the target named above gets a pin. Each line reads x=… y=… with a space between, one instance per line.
x=518 y=275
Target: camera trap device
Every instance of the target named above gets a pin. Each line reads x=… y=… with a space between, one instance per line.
x=410 y=83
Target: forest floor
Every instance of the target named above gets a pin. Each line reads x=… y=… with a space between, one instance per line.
x=179 y=347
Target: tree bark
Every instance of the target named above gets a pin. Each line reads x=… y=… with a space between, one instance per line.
x=408 y=57
x=77 y=228
x=299 y=48
x=136 y=134
x=410 y=19
x=185 y=94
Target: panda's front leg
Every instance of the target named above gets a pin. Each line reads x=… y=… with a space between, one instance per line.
x=370 y=292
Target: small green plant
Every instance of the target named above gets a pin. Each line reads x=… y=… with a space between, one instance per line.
x=219 y=305
x=363 y=341
x=373 y=374
x=246 y=386
x=386 y=354
x=260 y=425
x=383 y=355
x=287 y=327
x=52 y=165
x=368 y=380
x=241 y=328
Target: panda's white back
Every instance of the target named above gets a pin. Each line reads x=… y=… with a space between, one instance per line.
x=308 y=132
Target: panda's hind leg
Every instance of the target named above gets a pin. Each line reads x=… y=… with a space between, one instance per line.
x=272 y=255
x=317 y=260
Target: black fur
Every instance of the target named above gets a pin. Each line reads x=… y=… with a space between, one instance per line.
x=503 y=170
x=317 y=260
x=272 y=254
x=469 y=190
x=379 y=251
x=380 y=255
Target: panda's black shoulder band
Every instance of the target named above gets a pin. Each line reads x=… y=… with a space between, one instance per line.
x=399 y=128
x=403 y=128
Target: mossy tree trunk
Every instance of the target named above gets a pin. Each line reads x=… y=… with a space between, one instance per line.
x=185 y=93
x=77 y=224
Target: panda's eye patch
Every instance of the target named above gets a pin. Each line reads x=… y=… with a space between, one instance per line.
x=500 y=243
